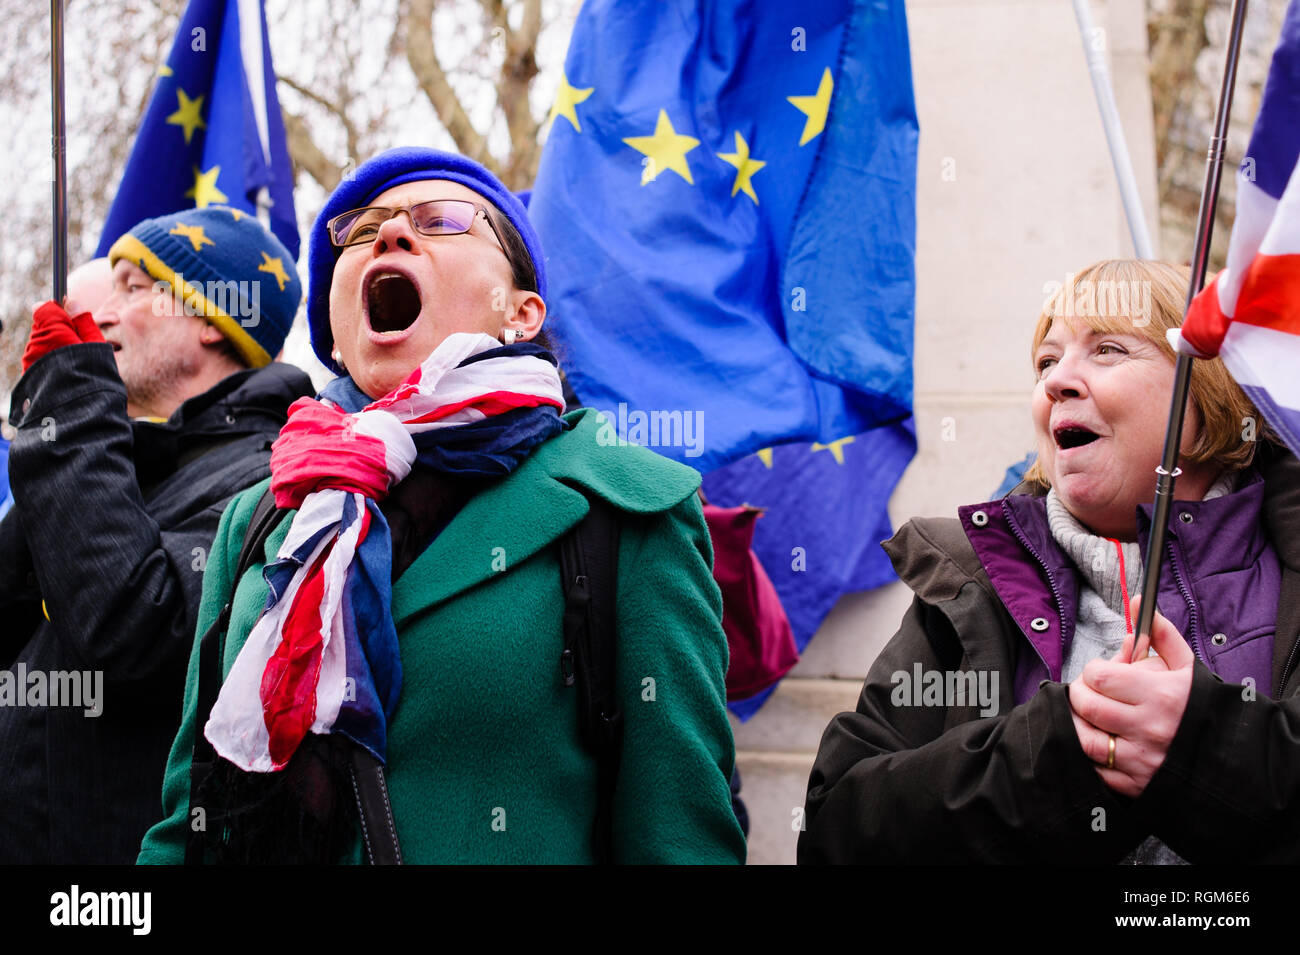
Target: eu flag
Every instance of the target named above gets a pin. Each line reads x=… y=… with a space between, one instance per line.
x=825 y=514
x=727 y=202
x=213 y=133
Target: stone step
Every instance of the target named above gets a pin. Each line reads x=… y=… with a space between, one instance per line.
x=773 y=786
x=794 y=717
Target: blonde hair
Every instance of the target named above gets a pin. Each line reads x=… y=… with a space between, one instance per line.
x=1146 y=297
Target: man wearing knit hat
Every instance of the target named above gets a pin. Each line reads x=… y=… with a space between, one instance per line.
x=136 y=425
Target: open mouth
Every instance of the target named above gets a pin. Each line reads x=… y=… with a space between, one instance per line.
x=392 y=302
x=1073 y=436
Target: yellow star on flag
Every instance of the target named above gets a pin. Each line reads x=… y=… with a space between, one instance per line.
x=765 y=455
x=566 y=98
x=194 y=233
x=665 y=149
x=164 y=70
x=236 y=213
x=275 y=266
x=835 y=447
x=187 y=117
x=745 y=167
x=815 y=108
x=205 y=191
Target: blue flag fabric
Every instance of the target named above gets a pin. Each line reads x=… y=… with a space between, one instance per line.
x=826 y=514
x=213 y=133
x=727 y=201
x=6 y=496
x=1015 y=474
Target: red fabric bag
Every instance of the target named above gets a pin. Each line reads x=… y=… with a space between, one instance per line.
x=758 y=632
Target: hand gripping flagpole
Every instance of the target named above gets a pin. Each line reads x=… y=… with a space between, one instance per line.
x=1168 y=470
x=58 y=147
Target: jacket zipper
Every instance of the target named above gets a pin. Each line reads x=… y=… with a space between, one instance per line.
x=1286 y=671
x=1051 y=581
x=1192 y=624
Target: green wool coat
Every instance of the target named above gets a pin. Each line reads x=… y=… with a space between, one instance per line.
x=484 y=761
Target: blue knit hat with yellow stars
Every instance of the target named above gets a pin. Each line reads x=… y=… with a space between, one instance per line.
x=227 y=268
x=376 y=175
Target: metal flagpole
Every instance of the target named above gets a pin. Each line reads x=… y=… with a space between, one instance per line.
x=1119 y=154
x=1168 y=470
x=58 y=146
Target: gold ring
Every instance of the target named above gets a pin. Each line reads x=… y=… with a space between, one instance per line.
x=1110 y=752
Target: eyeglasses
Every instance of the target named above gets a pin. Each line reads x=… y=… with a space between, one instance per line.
x=435 y=217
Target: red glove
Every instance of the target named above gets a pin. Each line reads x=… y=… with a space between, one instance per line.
x=52 y=328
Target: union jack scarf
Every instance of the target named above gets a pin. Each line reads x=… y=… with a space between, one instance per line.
x=323 y=656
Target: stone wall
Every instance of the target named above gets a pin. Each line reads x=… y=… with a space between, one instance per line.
x=1186 y=85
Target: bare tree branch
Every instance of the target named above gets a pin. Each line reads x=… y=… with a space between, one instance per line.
x=496 y=14
x=531 y=28
x=516 y=79
x=336 y=109
x=307 y=155
x=433 y=81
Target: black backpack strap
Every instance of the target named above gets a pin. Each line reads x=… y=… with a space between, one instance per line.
x=203 y=757
x=589 y=569
x=379 y=845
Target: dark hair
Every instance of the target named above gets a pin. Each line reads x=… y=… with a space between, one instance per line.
x=522 y=272
x=521 y=263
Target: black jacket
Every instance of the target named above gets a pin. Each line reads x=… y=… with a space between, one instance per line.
x=101 y=569
x=894 y=784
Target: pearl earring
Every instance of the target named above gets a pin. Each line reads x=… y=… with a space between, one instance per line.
x=508 y=336
x=338 y=359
